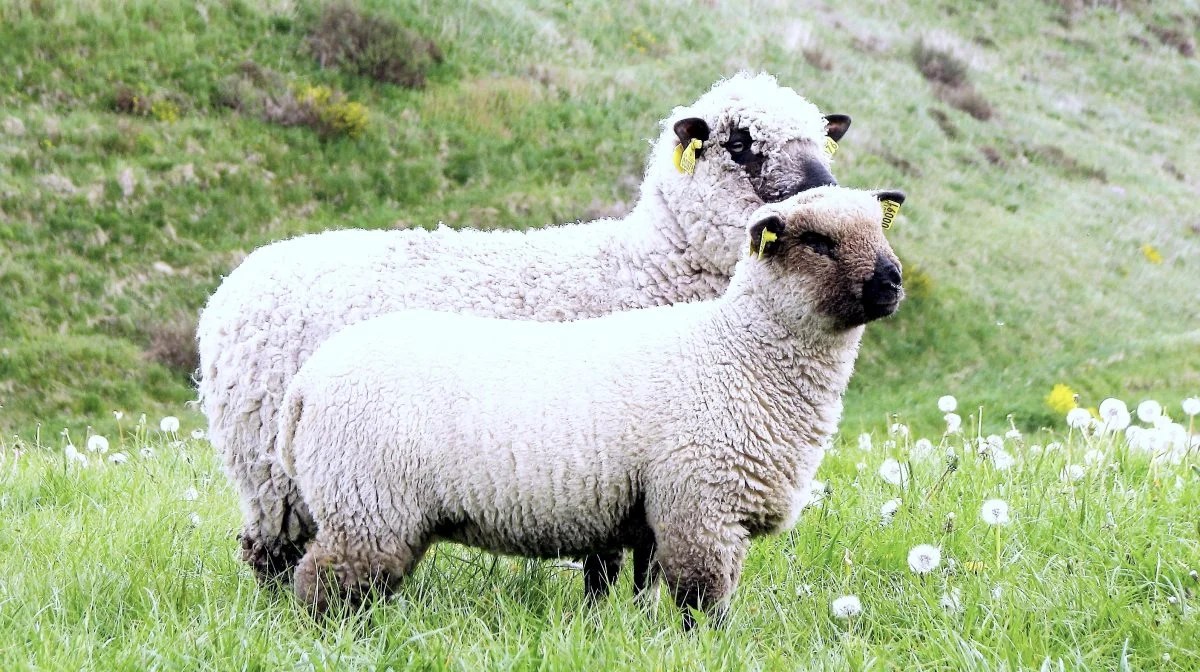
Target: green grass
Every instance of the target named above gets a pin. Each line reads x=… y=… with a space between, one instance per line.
x=105 y=567
x=1022 y=239
x=1031 y=266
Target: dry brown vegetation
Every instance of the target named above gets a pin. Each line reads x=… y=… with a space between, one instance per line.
x=173 y=344
x=372 y=45
x=949 y=76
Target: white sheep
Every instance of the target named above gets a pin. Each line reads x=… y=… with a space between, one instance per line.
x=682 y=430
x=760 y=142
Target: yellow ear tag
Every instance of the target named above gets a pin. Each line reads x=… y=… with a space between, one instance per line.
x=685 y=157
x=830 y=146
x=890 y=210
x=767 y=237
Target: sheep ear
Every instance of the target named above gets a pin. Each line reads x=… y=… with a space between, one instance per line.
x=891 y=202
x=764 y=236
x=692 y=128
x=836 y=126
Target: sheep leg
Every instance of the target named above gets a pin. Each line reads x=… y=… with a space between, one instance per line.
x=645 y=571
x=340 y=568
x=702 y=571
x=600 y=572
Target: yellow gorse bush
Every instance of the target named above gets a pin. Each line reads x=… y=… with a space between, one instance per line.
x=340 y=116
x=1061 y=399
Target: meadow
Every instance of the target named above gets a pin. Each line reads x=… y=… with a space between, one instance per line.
x=1051 y=245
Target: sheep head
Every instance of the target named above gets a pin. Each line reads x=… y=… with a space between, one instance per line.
x=746 y=142
x=822 y=255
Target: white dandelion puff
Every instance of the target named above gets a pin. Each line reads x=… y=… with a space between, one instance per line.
x=997 y=591
x=1013 y=435
x=97 y=443
x=1149 y=410
x=147 y=452
x=814 y=494
x=893 y=472
x=74 y=456
x=1053 y=446
x=1093 y=457
x=169 y=424
x=1078 y=418
x=888 y=511
x=1191 y=406
x=898 y=429
x=118 y=458
x=947 y=404
x=994 y=442
x=864 y=442
x=197 y=434
x=804 y=590
x=860 y=466
x=953 y=423
x=1114 y=414
x=191 y=495
x=1002 y=459
x=117 y=415
x=889 y=445
x=924 y=558
x=846 y=606
x=952 y=601
x=1071 y=473
x=995 y=512
x=922 y=449
x=194 y=519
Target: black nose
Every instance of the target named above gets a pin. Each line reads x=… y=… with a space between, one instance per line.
x=816 y=175
x=882 y=291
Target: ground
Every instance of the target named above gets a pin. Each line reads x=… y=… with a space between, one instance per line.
x=1050 y=237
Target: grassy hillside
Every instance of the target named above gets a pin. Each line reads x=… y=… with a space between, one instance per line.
x=1051 y=233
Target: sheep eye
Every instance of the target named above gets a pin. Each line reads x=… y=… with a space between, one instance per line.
x=819 y=243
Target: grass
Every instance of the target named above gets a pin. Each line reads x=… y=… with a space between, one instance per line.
x=133 y=566
x=146 y=147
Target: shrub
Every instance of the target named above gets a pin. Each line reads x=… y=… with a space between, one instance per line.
x=373 y=46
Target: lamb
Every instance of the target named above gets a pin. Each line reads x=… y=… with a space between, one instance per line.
x=682 y=431
x=758 y=142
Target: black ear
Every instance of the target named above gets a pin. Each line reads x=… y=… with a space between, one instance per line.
x=836 y=125
x=692 y=128
x=764 y=236
x=895 y=196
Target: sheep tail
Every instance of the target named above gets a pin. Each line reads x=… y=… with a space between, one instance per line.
x=289 y=420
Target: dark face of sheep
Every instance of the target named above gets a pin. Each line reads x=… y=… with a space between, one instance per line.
x=827 y=253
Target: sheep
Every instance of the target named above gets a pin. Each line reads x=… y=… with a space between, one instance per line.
x=683 y=430
x=759 y=142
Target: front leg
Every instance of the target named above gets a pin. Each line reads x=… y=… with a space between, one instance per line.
x=702 y=566
x=600 y=572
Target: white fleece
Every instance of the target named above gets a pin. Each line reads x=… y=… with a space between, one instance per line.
x=680 y=243
x=702 y=422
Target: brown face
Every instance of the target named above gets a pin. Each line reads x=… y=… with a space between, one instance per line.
x=831 y=247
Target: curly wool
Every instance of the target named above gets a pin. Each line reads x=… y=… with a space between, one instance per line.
x=679 y=244
x=697 y=426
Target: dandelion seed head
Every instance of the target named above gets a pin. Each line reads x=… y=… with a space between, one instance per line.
x=952 y=601
x=1053 y=446
x=191 y=495
x=1148 y=410
x=1078 y=418
x=147 y=452
x=953 y=423
x=995 y=512
x=97 y=443
x=888 y=511
x=169 y=424
x=864 y=442
x=893 y=472
x=197 y=434
x=994 y=442
x=1013 y=435
x=898 y=429
x=194 y=519
x=1092 y=457
x=1071 y=473
x=997 y=591
x=1171 y=599
x=117 y=415
x=846 y=606
x=118 y=458
x=1002 y=459
x=1191 y=406
x=922 y=449
x=889 y=445
x=1112 y=407
x=924 y=558
x=947 y=404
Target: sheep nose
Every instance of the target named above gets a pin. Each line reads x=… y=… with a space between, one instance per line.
x=816 y=175
x=882 y=291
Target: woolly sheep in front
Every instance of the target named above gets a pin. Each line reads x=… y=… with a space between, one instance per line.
x=761 y=143
x=685 y=430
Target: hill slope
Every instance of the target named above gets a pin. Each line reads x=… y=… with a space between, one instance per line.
x=1050 y=159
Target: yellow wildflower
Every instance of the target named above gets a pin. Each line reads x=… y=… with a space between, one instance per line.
x=1061 y=399
x=1152 y=253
